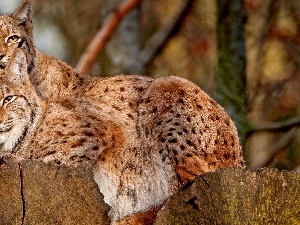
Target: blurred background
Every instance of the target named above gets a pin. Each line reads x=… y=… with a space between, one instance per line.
x=64 y=28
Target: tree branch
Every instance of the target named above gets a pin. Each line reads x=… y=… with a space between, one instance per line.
x=280 y=145
x=101 y=38
x=272 y=126
x=161 y=38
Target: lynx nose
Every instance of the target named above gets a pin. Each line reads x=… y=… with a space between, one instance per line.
x=2 y=60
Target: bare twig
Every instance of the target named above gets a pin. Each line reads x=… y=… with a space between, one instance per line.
x=273 y=126
x=160 y=39
x=280 y=145
x=96 y=45
x=285 y=140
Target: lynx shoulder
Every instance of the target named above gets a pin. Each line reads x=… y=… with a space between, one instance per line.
x=51 y=77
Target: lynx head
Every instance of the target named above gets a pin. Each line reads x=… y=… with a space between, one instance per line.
x=19 y=104
x=16 y=32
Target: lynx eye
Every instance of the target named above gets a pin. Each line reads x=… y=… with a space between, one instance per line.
x=9 y=99
x=13 y=39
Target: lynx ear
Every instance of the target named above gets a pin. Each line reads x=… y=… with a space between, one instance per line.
x=23 y=13
x=16 y=69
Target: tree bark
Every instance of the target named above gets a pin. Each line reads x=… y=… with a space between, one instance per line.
x=236 y=196
x=33 y=192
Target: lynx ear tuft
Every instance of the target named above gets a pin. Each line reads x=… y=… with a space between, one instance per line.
x=16 y=69
x=23 y=13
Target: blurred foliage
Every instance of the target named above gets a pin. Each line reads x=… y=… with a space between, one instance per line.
x=272 y=40
x=273 y=76
x=193 y=48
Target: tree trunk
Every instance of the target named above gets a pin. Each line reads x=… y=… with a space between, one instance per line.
x=231 y=73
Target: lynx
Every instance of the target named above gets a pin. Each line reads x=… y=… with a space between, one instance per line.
x=145 y=137
x=52 y=78
x=152 y=137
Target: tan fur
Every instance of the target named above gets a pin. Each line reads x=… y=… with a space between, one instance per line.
x=51 y=77
x=142 y=218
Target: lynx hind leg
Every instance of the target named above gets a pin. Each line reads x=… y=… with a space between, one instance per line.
x=187 y=128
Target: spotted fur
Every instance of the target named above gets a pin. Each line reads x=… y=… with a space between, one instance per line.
x=146 y=137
